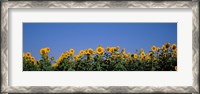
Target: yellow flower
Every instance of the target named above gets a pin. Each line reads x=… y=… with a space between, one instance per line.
x=42 y=51
x=167 y=45
x=115 y=48
x=153 y=48
x=142 y=54
x=71 y=51
x=163 y=48
x=141 y=50
x=100 y=50
x=159 y=54
x=28 y=54
x=66 y=54
x=123 y=51
x=90 y=50
x=173 y=47
x=47 y=50
x=87 y=52
x=150 y=53
x=35 y=62
x=32 y=59
x=125 y=56
x=76 y=57
x=175 y=52
x=158 y=49
x=28 y=58
x=112 y=49
x=135 y=56
x=93 y=52
x=81 y=53
x=118 y=48
x=108 y=49
x=129 y=54
x=176 y=68
x=55 y=65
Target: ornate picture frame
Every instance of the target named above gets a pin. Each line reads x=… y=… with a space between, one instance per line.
x=6 y=5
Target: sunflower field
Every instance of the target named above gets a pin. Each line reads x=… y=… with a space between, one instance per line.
x=105 y=59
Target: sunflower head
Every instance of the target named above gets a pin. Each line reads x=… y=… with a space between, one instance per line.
x=43 y=51
x=173 y=47
x=175 y=52
x=167 y=45
x=123 y=51
x=150 y=53
x=81 y=52
x=118 y=48
x=28 y=54
x=108 y=49
x=77 y=57
x=71 y=51
x=158 y=49
x=47 y=49
x=90 y=50
x=135 y=56
x=100 y=50
x=142 y=54
x=125 y=56
x=141 y=50
x=153 y=48
x=55 y=65
x=164 y=48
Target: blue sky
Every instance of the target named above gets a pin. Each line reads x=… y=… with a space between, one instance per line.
x=60 y=37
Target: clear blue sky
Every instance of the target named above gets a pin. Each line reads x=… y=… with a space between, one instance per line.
x=60 y=37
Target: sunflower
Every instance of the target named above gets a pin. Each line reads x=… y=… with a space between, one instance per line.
x=55 y=65
x=115 y=48
x=100 y=50
x=108 y=49
x=164 y=48
x=28 y=54
x=112 y=49
x=135 y=56
x=87 y=52
x=123 y=51
x=159 y=54
x=153 y=48
x=118 y=48
x=150 y=53
x=158 y=49
x=141 y=50
x=47 y=50
x=93 y=52
x=142 y=54
x=76 y=57
x=167 y=45
x=35 y=62
x=125 y=56
x=71 y=51
x=81 y=53
x=42 y=51
x=90 y=50
x=66 y=54
x=173 y=47
x=32 y=59
x=129 y=54
x=175 y=52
